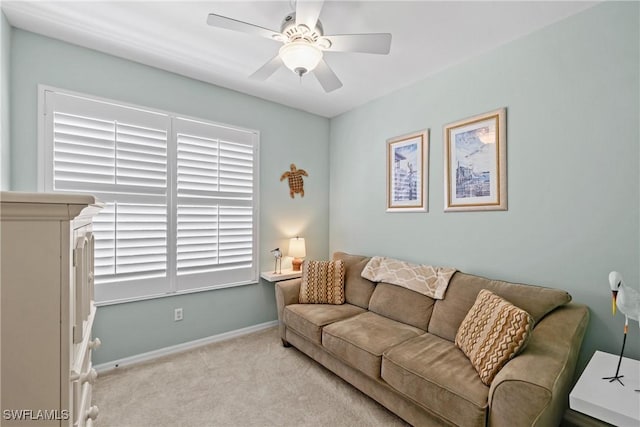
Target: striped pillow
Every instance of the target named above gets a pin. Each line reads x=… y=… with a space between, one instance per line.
x=322 y=282
x=492 y=333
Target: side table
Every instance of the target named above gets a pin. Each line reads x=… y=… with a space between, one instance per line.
x=610 y=402
x=271 y=276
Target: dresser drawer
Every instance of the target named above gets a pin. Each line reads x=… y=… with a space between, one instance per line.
x=82 y=385
x=80 y=349
x=83 y=376
x=86 y=413
x=82 y=286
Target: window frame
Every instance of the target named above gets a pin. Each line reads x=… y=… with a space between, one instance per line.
x=169 y=285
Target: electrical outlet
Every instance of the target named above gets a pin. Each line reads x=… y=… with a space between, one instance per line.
x=177 y=314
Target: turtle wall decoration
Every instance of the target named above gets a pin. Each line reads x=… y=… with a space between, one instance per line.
x=296 y=183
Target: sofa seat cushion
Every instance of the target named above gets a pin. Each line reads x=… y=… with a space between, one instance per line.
x=309 y=319
x=437 y=375
x=361 y=340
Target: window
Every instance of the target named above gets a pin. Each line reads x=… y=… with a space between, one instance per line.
x=180 y=194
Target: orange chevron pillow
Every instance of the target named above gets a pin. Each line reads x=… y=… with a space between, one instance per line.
x=492 y=333
x=322 y=282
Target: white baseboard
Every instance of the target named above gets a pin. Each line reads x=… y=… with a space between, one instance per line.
x=150 y=355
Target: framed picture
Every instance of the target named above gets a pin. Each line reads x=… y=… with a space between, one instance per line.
x=475 y=156
x=407 y=172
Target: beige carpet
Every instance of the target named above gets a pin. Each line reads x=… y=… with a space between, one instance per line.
x=247 y=381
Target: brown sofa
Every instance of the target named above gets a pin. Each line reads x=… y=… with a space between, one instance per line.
x=397 y=346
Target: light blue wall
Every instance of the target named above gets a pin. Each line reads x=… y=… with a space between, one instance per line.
x=572 y=98
x=287 y=135
x=5 y=55
x=571 y=93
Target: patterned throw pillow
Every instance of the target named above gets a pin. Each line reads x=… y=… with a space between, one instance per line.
x=322 y=282
x=492 y=333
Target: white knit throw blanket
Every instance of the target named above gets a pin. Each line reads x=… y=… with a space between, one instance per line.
x=425 y=279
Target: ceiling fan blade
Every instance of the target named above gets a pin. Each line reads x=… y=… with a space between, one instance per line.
x=327 y=78
x=243 y=27
x=307 y=12
x=379 y=43
x=267 y=69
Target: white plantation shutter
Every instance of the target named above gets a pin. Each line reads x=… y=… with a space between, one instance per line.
x=83 y=151
x=104 y=231
x=130 y=242
x=197 y=165
x=180 y=195
x=197 y=238
x=236 y=243
x=216 y=230
x=236 y=168
x=119 y=154
x=141 y=157
x=214 y=237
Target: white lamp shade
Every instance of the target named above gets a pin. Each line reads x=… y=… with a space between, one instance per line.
x=300 y=57
x=297 y=248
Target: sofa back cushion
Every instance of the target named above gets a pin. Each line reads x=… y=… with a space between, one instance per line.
x=402 y=304
x=357 y=289
x=463 y=289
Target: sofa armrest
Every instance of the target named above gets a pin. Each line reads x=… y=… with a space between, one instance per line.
x=533 y=388
x=287 y=292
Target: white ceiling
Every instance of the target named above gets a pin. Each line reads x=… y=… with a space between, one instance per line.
x=428 y=36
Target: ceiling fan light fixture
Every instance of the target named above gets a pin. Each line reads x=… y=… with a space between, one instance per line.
x=300 y=57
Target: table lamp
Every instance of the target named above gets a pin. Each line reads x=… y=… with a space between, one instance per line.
x=297 y=250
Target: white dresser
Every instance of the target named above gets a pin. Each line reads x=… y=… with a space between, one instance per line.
x=47 y=309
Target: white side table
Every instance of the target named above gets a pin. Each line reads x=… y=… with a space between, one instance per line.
x=608 y=401
x=278 y=277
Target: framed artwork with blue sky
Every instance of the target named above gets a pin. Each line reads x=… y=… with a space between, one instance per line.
x=407 y=172
x=476 y=163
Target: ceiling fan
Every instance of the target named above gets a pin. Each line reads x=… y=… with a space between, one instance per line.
x=304 y=43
